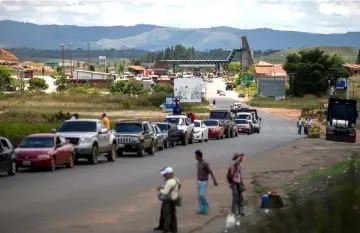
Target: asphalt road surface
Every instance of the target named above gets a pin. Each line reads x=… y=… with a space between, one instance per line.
x=32 y=202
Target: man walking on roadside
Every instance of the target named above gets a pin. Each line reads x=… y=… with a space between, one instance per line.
x=203 y=171
x=299 y=125
x=105 y=121
x=235 y=179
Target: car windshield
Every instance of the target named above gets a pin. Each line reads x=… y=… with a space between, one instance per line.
x=172 y=120
x=197 y=124
x=242 y=116
x=37 y=142
x=78 y=126
x=219 y=115
x=241 y=121
x=211 y=123
x=163 y=127
x=128 y=127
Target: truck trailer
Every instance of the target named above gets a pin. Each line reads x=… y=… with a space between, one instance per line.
x=341 y=120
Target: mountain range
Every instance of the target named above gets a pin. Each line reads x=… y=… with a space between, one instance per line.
x=151 y=37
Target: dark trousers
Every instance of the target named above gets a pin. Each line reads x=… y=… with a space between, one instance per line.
x=237 y=206
x=168 y=220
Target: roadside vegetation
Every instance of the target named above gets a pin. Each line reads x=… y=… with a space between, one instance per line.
x=326 y=202
x=34 y=111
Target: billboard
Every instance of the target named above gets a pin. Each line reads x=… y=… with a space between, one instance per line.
x=188 y=89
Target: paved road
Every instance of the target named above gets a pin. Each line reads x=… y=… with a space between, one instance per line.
x=33 y=202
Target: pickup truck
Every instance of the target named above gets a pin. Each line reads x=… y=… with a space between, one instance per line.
x=135 y=136
x=226 y=118
x=185 y=128
x=90 y=138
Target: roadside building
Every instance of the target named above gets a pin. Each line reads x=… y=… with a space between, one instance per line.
x=160 y=68
x=270 y=80
x=91 y=78
x=136 y=70
x=353 y=69
x=7 y=58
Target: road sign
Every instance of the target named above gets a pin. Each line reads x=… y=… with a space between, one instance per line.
x=170 y=103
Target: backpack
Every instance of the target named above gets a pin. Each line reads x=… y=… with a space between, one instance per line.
x=178 y=200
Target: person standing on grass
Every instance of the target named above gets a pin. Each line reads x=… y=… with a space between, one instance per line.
x=235 y=179
x=299 y=125
x=203 y=171
x=305 y=126
x=105 y=121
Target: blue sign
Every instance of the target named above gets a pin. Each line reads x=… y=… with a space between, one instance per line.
x=170 y=102
x=340 y=84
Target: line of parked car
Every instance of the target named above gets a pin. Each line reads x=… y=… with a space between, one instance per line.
x=89 y=139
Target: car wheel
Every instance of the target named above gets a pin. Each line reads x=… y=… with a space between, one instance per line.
x=218 y=137
x=12 y=170
x=166 y=144
x=93 y=158
x=191 y=139
x=70 y=164
x=141 y=151
x=152 y=149
x=112 y=154
x=53 y=164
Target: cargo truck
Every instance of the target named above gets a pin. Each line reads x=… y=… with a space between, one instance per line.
x=341 y=120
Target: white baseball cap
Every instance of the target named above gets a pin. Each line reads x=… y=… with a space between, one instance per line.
x=167 y=170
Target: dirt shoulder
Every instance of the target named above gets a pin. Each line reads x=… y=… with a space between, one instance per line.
x=272 y=169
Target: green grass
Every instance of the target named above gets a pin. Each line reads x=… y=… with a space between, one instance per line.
x=348 y=53
x=296 y=103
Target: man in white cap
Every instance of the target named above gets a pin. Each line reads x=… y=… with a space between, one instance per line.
x=168 y=194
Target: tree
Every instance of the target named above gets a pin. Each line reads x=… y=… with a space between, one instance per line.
x=60 y=81
x=92 y=68
x=37 y=84
x=5 y=79
x=358 y=58
x=310 y=70
x=135 y=62
x=166 y=89
x=233 y=67
x=118 y=87
x=58 y=70
x=121 y=68
x=134 y=87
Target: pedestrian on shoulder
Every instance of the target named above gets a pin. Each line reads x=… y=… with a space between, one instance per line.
x=203 y=172
x=299 y=125
x=235 y=179
x=169 y=195
x=105 y=121
x=305 y=126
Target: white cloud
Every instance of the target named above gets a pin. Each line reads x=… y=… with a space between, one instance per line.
x=310 y=15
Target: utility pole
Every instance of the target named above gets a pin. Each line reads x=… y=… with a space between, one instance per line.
x=347 y=88
x=63 y=58
x=71 y=61
x=88 y=49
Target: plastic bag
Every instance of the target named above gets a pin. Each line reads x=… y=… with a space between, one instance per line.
x=230 y=221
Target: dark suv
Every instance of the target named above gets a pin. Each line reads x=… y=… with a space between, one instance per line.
x=7 y=157
x=135 y=136
x=226 y=118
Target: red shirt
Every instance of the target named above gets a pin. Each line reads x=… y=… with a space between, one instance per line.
x=192 y=117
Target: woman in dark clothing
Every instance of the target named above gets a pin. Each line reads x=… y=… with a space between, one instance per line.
x=234 y=177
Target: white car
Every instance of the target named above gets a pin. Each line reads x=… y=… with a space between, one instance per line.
x=201 y=132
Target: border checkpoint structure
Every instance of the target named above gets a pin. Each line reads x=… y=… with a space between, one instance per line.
x=246 y=59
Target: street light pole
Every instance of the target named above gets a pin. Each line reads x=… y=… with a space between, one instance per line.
x=71 y=61
x=63 y=57
x=88 y=48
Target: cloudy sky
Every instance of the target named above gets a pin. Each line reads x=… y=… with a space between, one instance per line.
x=299 y=15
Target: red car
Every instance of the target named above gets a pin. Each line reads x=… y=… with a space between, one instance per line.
x=243 y=126
x=45 y=151
x=216 y=129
